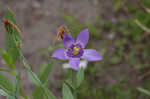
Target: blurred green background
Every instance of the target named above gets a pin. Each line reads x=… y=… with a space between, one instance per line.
x=119 y=30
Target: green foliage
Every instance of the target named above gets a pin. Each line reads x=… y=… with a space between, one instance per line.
x=43 y=74
x=129 y=47
x=76 y=79
x=12 y=36
x=3 y=93
x=35 y=80
x=12 y=50
x=8 y=59
x=79 y=78
x=5 y=85
x=144 y=91
x=11 y=55
x=66 y=92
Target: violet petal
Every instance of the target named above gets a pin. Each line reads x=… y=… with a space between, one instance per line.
x=74 y=63
x=83 y=37
x=60 y=54
x=91 y=55
x=67 y=40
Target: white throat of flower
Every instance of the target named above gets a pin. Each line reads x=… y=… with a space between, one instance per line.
x=83 y=64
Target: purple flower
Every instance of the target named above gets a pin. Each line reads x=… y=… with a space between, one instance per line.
x=75 y=50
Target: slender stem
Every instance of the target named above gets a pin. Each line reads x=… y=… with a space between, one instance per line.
x=28 y=68
x=18 y=77
x=22 y=91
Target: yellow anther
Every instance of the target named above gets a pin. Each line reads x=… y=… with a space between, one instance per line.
x=76 y=49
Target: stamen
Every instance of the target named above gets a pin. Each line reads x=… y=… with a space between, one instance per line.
x=76 y=50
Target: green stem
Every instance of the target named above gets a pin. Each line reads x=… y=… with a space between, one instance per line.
x=22 y=91
x=28 y=68
x=18 y=77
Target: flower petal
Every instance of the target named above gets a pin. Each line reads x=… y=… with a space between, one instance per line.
x=60 y=54
x=91 y=55
x=83 y=37
x=67 y=40
x=74 y=63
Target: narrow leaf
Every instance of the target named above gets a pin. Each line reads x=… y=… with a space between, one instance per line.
x=5 y=83
x=3 y=93
x=43 y=74
x=33 y=77
x=67 y=94
x=12 y=36
x=7 y=58
x=79 y=77
x=144 y=91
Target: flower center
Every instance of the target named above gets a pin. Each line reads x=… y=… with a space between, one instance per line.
x=75 y=50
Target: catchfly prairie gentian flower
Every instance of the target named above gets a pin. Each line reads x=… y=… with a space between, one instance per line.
x=74 y=50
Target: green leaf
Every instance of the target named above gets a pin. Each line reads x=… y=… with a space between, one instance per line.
x=41 y=69
x=38 y=93
x=50 y=94
x=144 y=91
x=3 y=93
x=43 y=74
x=67 y=94
x=79 y=77
x=75 y=82
x=8 y=59
x=5 y=84
x=33 y=77
x=12 y=36
x=10 y=97
x=36 y=81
